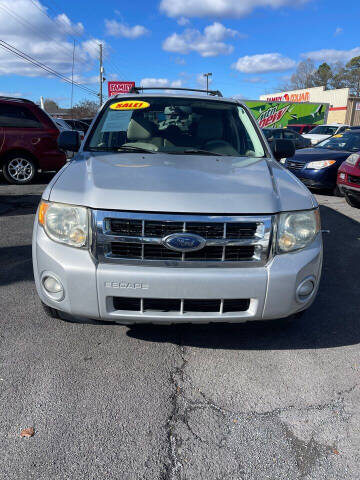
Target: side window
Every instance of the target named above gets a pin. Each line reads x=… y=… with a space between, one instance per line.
x=289 y=135
x=341 y=129
x=17 y=116
x=277 y=134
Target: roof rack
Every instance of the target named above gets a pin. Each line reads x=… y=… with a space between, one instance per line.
x=214 y=93
x=16 y=99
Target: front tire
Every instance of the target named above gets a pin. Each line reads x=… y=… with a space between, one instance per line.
x=19 y=169
x=353 y=202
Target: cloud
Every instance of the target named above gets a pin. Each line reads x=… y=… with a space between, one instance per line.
x=160 y=82
x=180 y=61
x=12 y=94
x=183 y=21
x=262 y=63
x=331 y=55
x=208 y=44
x=338 y=31
x=119 y=29
x=220 y=8
x=66 y=26
x=43 y=38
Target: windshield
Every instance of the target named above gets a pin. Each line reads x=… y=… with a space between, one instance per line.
x=348 y=141
x=176 y=126
x=324 y=130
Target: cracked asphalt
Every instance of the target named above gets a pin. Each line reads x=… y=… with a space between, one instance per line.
x=214 y=402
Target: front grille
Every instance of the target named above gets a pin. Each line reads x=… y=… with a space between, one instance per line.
x=295 y=165
x=354 y=180
x=127 y=237
x=181 y=306
x=154 y=252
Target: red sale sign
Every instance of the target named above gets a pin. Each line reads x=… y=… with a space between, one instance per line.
x=119 y=87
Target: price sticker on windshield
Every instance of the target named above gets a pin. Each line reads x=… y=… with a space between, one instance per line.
x=129 y=105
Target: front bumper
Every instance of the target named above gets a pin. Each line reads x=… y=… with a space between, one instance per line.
x=90 y=288
x=324 y=178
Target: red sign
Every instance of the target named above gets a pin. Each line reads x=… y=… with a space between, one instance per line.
x=119 y=87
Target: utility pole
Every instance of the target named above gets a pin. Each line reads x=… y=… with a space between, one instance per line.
x=101 y=74
x=72 y=81
x=207 y=75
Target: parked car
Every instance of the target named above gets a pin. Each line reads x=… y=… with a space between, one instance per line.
x=299 y=141
x=78 y=125
x=65 y=125
x=202 y=225
x=28 y=141
x=317 y=167
x=349 y=179
x=301 y=128
x=322 y=132
x=87 y=120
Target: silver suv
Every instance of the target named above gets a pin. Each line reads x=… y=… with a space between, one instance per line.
x=176 y=210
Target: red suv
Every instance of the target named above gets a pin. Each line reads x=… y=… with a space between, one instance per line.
x=348 y=179
x=28 y=141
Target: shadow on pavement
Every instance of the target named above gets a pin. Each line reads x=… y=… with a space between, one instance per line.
x=15 y=264
x=18 y=204
x=332 y=321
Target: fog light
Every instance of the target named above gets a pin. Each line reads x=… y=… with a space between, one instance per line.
x=53 y=287
x=305 y=289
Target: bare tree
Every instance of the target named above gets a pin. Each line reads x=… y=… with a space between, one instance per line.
x=51 y=106
x=85 y=108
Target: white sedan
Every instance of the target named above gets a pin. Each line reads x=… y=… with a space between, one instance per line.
x=322 y=132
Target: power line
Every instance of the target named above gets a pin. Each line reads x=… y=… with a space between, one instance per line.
x=42 y=66
x=36 y=30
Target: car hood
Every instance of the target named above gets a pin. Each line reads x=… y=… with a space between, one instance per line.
x=178 y=184
x=313 y=154
x=315 y=136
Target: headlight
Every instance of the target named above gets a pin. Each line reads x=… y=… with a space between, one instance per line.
x=320 y=164
x=65 y=223
x=353 y=159
x=296 y=230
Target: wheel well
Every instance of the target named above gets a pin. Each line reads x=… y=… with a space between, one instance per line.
x=17 y=151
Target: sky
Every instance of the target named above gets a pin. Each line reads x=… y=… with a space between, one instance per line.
x=250 y=46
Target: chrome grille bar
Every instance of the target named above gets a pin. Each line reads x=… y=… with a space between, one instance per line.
x=256 y=235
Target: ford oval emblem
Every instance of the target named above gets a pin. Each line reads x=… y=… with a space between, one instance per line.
x=184 y=242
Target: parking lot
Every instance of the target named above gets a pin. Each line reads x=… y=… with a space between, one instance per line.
x=249 y=401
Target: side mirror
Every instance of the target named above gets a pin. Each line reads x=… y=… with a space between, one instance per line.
x=283 y=149
x=69 y=140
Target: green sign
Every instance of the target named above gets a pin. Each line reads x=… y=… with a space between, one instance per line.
x=281 y=114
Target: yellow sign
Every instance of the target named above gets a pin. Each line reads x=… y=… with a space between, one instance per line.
x=338 y=135
x=129 y=105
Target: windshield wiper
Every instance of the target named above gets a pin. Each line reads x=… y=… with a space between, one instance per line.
x=123 y=148
x=194 y=151
x=133 y=148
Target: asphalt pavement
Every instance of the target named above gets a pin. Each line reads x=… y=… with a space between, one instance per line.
x=209 y=402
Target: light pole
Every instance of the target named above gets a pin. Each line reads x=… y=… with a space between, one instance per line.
x=207 y=75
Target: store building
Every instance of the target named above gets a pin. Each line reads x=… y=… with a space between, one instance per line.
x=341 y=104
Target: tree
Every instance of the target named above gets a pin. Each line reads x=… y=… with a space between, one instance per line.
x=352 y=73
x=338 y=79
x=85 y=108
x=323 y=75
x=304 y=77
x=50 y=105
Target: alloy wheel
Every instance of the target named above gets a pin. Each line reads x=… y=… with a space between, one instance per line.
x=20 y=169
